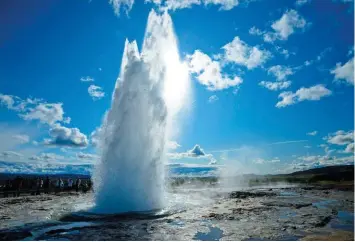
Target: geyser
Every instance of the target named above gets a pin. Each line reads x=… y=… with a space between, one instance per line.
x=151 y=89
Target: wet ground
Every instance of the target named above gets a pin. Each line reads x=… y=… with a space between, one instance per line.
x=289 y=213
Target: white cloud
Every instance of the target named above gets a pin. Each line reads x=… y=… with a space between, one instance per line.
x=340 y=138
x=95 y=92
x=240 y=53
x=22 y=138
x=318 y=58
x=225 y=4
x=47 y=157
x=195 y=152
x=173 y=145
x=208 y=72
x=62 y=136
x=285 y=26
x=255 y=31
x=87 y=78
x=274 y=86
x=86 y=156
x=313 y=133
x=212 y=99
x=263 y=161
x=8 y=101
x=181 y=4
x=38 y=167
x=280 y=72
x=47 y=113
x=349 y=148
x=302 y=2
x=344 y=72
x=11 y=154
x=284 y=52
x=35 y=109
x=95 y=137
x=126 y=5
x=313 y=93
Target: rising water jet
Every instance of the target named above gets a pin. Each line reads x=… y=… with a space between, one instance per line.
x=149 y=93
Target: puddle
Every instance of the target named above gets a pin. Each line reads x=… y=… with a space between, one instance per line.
x=288 y=194
x=177 y=223
x=40 y=232
x=343 y=221
x=215 y=233
x=288 y=214
x=324 y=203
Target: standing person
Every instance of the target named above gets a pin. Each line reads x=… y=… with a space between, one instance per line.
x=61 y=184
x=77 y=184
x=57 y=186
x=47 y=184
x=33 y=186
x=70 y=184
x=17 y=185
x=38 y=186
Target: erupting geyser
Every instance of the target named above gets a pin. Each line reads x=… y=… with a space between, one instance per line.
x=150 y=91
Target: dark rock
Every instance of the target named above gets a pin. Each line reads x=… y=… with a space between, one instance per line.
x=243 y=194
x=323 y=221
x=14 y=235
x=301 y=205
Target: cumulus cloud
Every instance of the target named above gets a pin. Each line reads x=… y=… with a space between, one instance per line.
x=47 y=113
x=70 y=137
x=38 y=167
x=95 y=92
x=35 y=109
x=126 y=5
x=240 y=53
x=173 y=145
x=209 y=72
x=313 y=133
x=284 y=52
x=195 y=152
x=213 y=99
x=280 y=72
x=47 y=157
x=9 y=102
x=301 y=2
x=285 y=26
x=95 y=137
x=313 y=93
x=181 y=4
x=340 y=138
x=349 y=148
x=86 y=156
x=344 y=73
x=275 y=86
x=255 y=31
x=87 y=79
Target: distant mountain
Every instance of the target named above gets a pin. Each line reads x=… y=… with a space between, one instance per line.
x=330 y=170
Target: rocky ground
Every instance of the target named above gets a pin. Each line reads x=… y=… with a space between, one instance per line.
x=290 y=213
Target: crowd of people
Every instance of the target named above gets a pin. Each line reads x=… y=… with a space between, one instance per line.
x=35 y=186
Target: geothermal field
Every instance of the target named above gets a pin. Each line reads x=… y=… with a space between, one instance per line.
x=135 y=198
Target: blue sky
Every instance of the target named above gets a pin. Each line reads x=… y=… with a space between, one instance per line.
x=272 y=81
